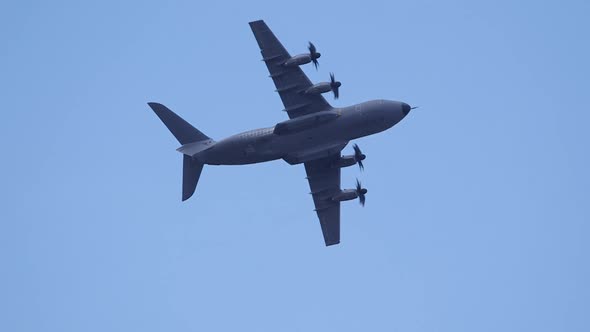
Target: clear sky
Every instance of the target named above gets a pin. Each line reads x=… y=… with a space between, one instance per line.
x=478 y=211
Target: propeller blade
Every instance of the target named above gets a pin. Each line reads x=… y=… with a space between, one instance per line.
x=313 y=54
x=413 y=108
x=357 y=150
x=360 y=191
x=312 y=49
x=359 y=156
x=334 y=85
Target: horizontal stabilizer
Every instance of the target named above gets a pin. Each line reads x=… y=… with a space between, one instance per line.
x=192 y=149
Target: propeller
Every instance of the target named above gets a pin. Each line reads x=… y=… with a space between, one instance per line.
x=314 y=54
x=359 y=156
x=334 y=85
x=360 y=191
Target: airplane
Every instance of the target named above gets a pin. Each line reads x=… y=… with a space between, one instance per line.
x=314 y=135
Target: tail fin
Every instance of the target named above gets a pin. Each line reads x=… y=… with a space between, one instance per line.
x=191 y=171
x=185 y=133
x=182 y=130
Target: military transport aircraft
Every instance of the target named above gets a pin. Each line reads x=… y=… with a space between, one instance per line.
x=314 y=135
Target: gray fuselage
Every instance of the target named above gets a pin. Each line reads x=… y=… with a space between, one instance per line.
x=306 y=138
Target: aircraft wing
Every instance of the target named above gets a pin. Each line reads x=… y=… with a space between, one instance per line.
x=289 y=81
x=324 y=182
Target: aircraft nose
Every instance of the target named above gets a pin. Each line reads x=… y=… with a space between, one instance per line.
x=406 y=108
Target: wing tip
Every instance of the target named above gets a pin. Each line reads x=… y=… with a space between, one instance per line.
x=156 y=107
x=256 y=22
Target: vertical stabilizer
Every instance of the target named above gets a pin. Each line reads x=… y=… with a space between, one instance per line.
x=192 y=141
x=183 y=131
x=191 y=171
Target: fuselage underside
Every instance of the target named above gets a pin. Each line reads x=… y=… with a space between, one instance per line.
x=298 y=145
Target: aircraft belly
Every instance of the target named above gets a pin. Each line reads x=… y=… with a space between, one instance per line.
x=240 y=152
x=297 y=147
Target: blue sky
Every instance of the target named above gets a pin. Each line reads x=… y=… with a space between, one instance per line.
x=477 y=217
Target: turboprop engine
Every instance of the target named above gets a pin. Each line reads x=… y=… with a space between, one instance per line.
x=349 y=160
x=324 y=87
x=350 y=194
x=302 y=59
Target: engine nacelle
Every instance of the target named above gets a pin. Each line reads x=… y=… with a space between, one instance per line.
x=298 y=60
x=345 y=161
x=345 y=195
x=319 y=88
